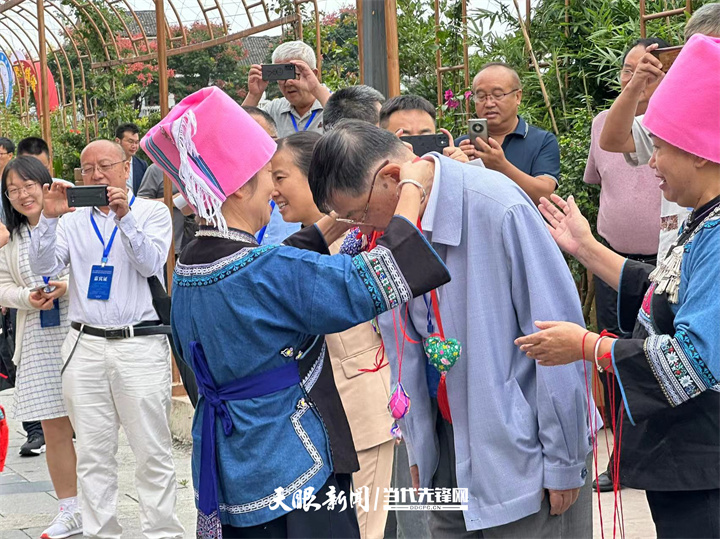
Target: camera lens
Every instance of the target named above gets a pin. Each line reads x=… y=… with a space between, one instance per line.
x=478 y=128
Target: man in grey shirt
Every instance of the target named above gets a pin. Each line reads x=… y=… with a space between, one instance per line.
x=152 y=187
x=301 y=107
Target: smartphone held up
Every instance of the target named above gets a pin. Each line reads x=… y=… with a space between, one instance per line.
x=275 y=72
x=667 y=56
x=478 y=129
x=423 y=144
x=87 y=196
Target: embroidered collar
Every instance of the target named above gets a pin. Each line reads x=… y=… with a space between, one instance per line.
x=667 y=275
x=232 y=234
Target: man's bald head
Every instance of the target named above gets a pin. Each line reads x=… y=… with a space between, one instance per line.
x=104 y=146
x=108 y=163
x=499 y=66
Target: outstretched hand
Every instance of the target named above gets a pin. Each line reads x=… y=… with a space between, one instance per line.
x=568 y=227
x=557 y=343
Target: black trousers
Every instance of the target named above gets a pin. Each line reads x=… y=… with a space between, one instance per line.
x=690 y=514
x=32 y=427
x=299 y=524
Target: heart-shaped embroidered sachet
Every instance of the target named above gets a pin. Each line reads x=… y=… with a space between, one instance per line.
x=442 y=353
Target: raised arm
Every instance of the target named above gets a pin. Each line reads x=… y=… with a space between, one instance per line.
x=617 y=134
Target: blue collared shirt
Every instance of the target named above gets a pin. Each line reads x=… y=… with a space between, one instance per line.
x=532 y=150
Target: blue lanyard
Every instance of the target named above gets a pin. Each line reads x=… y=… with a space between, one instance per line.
x=106 y=248
x=261 y=234
x=430 y=326
x=307 y=124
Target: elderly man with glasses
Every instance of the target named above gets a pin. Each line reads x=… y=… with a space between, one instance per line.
x=117 y=357
x=512 y=433
x=527 y=155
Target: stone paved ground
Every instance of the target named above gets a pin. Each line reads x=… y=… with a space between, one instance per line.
x=28 y=503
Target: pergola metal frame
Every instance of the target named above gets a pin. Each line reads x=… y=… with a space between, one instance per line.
x=59 y=41
x=52 y=41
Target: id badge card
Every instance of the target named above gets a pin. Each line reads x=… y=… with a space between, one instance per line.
x=51 y=318
x=100 y=282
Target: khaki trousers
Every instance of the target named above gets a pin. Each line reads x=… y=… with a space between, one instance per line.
x=376 y=464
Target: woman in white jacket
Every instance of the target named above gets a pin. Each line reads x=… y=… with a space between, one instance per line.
x=42 y=325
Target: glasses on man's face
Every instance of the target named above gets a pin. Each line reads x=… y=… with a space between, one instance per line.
x=131 y=142
x=89 y=170
x=626 y=74
x=367 y=206
x=495 y=95
x=14 y=193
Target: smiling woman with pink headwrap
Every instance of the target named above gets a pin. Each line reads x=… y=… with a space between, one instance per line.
x=668 y=371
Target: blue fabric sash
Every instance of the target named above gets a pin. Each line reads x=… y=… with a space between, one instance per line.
x=216 y=397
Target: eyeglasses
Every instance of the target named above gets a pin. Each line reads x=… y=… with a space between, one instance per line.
x=626 y=74
x=89 y=170
x=367 y=206
x=131 y=142
x=28 y=189
x=5 y=153
x=496 y=95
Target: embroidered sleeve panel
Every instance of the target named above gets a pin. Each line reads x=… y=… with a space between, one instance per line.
x=680 y=371
x=383 y=279
x=421 y=267
x=206 y=274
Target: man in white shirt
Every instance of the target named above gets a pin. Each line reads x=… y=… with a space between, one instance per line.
x=117 y=361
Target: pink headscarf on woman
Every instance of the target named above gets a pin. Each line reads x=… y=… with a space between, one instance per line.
x=685 y=109
x=210 y=147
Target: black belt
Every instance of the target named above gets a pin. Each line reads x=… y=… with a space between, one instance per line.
x=140 y=330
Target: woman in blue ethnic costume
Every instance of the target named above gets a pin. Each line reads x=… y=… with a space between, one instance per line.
x=668 y=371
x=250 y=320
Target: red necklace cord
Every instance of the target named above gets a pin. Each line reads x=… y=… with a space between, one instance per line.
x=434 y=298
x=592 y=419
x=401 y=350
x=402 y=328
x=436 y=311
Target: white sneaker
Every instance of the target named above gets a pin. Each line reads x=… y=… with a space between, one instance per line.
x=65 y=524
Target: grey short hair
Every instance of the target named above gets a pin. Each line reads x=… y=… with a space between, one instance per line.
x=706 y=21
x=345 y=158
x=294 y=50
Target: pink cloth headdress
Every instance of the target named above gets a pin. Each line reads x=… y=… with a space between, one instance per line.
x=685 y=109
x=210 y=147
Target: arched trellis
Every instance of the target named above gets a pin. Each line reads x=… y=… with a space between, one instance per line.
x=51 y=32
x=63 y=42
